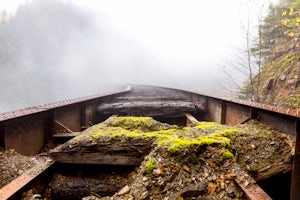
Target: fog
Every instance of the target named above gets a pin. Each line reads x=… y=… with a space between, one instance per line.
x=52 y=50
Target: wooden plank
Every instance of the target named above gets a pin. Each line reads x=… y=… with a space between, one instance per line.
x=190 y=119
x=67 y=187
x=66 y=135
x=14 y=186
x=145 y=108
x=130 y=152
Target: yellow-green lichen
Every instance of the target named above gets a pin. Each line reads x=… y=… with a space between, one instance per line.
x=173 y=139
x=229 y=133
x=112 y=132
x=207 y=125
x=137 y=123
x=226 y=154
x=150 y=164
x=268 y=132
x=175 y=145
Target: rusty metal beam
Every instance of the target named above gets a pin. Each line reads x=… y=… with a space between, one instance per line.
x=295 y=186
x=70 y=134
x=61 y=125
x=254 y=192
x=253 y=113
x=262 y=106
x=223 y=112
x=2 y=133
x=14 y=186
x=43 y=108
x=245 y=121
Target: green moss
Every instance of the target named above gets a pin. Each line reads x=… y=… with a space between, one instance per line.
x=112 y=132
x=275 y=155
x=175 y=145
x=173 y=139
x=289 y=101
x=268 y=132
x=229 y=133
x=150 y=164
x=226 y=154
x=207 y=125
x=137 y=123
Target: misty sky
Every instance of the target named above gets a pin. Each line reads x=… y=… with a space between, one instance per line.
x=177 y=43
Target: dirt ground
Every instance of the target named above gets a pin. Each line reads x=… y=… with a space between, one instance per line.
x=13 y=164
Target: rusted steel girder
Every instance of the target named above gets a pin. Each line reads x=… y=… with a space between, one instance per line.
x=41 y=108
x=14 y=186
x=69 y=133
x=254 y=192
x=295 y=186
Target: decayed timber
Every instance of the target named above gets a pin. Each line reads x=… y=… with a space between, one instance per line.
x=131 y=152
x=151 y=108
x=10 y=189
x=66 y=135
x=270 y=171
x=150 y=101
x=190 y=119
x=66 y=187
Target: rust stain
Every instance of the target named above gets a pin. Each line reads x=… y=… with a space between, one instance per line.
x=14 y=186
x=278 y=109
x=254 y=192
x=37 y=109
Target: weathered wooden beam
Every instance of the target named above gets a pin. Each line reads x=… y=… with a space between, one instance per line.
x=66 y=135
x=129 y=152
x=146 y=108
x=190 y=119
x=66 y=187
x=14 y=186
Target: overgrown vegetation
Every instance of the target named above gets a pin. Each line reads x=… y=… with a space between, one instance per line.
x=270 y=61
x=205 y=157
x=277 y=50
x=171 y=138
x=150 y=164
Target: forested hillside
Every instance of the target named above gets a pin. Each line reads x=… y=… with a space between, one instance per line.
x=278 y=50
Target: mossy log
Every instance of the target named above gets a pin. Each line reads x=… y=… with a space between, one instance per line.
x=107 y=152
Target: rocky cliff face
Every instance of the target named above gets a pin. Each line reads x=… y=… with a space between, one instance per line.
x=280 y=78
